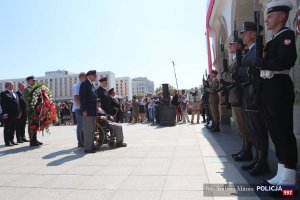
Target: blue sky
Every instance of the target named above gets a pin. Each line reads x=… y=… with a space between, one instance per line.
x=129 y=37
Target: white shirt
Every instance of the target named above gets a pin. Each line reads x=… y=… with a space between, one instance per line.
x=14 y=95
x=75 y=91
x=251 y=46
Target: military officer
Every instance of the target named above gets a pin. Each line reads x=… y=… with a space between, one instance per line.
x=205 y=98
x=214 y=101
x=277 y=99
x=259 y=133
x=31 y=81
x=238 y=113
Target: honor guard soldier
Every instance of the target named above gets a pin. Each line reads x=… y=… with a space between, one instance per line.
x=31 y=81
x=238 y=113
x=250 y=88
x=277 y=89
x=214 y=101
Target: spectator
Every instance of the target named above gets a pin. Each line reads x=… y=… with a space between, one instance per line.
x=76 y=107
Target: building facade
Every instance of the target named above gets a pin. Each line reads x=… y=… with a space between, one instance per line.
x=142 y=86
x=222 y=15
x=124 y=87
x=60 y=82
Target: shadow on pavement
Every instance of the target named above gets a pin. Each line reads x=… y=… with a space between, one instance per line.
x=230 y=142
x=17 y=150
x=70 y=155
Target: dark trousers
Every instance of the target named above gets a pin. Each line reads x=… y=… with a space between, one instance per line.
x=208 y=113
x=9 y=129
x=258 y=131
x=277 y=102
x=20 y=126
x=203 y=112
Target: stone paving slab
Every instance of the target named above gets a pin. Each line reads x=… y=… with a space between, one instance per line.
x=160 y=163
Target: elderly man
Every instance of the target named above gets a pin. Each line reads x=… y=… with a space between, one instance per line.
x=116 y=130
x=10 y=111
x=21 y=122
x=106 y=99
x=88 y=108
x=277 y=91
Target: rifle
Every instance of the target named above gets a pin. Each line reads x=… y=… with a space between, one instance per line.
x=254 y=71
x=238 y=51
x=223 y=89
x=239 y=58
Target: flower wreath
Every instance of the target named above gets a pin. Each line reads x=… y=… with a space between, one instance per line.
x=42 y=112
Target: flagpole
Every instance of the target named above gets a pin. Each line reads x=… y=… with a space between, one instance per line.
x=175 y=74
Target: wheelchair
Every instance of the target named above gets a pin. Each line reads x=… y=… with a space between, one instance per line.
x=102 y=133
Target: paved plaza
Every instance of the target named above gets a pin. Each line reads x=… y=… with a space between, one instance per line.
x=160 y=163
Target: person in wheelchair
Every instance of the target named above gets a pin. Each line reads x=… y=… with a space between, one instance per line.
x=116 y=130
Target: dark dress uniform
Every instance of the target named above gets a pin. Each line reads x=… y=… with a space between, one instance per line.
x=277 y=95
x=250 y=93
x=259 y=132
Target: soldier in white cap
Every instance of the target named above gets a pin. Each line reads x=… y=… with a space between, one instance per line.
x=277 y=99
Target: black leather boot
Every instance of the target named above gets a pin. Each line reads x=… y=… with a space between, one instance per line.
x=262 y=165
x=33 y=141
x=246 y=154
x=211 y=127
x=239 y=152
x=121 y=144
x=216 y=128
x=252 y=163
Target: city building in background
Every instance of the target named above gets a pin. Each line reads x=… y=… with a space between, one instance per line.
x=124 y=87
x=142 y=86
x=60 y=82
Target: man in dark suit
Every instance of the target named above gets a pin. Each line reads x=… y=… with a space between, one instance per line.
x=11 y=111
x=88 y=107
x=21 y=122
x=106 y=99
x=115 y=104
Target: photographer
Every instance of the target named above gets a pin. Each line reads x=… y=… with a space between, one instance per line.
x=65 y=113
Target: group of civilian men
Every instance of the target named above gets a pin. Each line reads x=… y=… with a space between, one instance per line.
x=15 y=107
